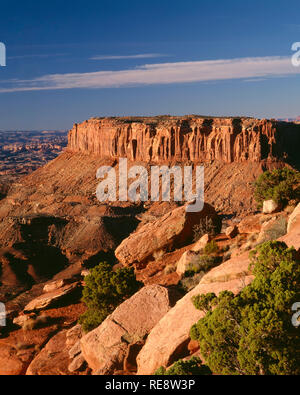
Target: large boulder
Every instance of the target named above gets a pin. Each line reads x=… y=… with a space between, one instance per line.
x=51 y=299
x=173 y=229
x=53 y=359
x=168 y=341
x=106 y=348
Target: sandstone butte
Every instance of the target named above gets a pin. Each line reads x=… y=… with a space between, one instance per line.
x=190 y=138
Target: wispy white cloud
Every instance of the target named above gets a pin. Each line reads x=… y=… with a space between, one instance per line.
x=162 y=73
x=121 y=57
x=37 y=56
x=255 y=80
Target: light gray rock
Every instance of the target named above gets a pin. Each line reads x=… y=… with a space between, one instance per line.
x=54 y=285
x=270 y=207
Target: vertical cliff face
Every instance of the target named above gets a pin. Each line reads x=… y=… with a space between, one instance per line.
x=197 y=139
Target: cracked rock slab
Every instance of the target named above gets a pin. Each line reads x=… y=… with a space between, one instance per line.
x=51 y=298
x=106 y=347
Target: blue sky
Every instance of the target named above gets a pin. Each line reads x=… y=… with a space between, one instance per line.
x=70 y=60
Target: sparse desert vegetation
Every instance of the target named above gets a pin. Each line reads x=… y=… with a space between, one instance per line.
x=251 y=333
x=193 y=366
x=104 y=290
x=280 y=185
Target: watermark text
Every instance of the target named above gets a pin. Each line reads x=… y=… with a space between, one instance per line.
x=157 y=184
x=2 y=55
x=296 y=316
x=2 y=314
x=296 y=56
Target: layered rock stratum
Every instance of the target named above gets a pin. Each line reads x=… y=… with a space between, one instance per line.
x=190 y=138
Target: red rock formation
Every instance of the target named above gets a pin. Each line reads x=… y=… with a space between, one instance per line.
x=169 y=339
x=198 y=139
x=105 y=347
x=173 y=229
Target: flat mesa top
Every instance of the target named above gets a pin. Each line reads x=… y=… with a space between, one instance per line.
x=171 y=120
x=159 y=118
x=183 y=121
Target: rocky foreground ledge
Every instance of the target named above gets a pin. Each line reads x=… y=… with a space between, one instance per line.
x=149 y=330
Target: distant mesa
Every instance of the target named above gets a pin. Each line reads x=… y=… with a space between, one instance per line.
x=294 y=120
x=22 y=152
x=190 y=138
